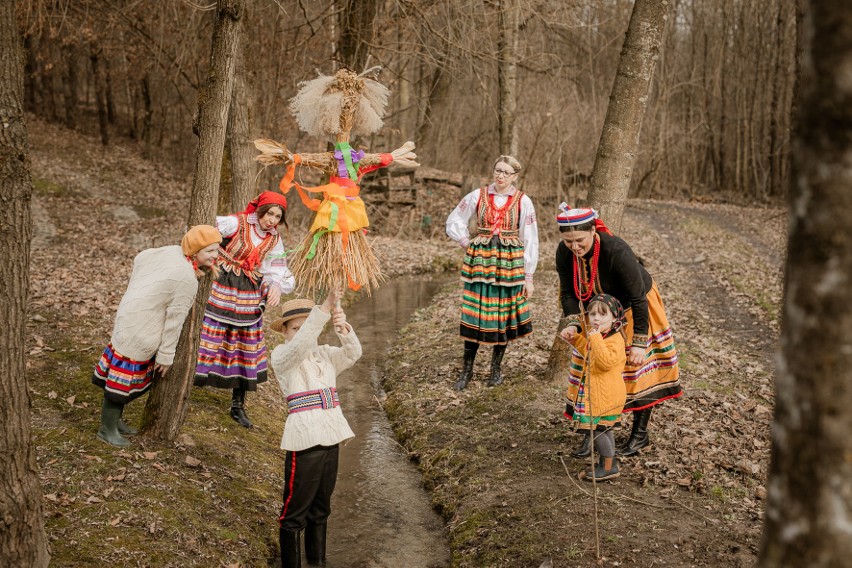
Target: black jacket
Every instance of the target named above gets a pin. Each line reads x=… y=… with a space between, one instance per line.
x=619 y=275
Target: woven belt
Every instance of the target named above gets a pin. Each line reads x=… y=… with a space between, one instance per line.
x=313 y=400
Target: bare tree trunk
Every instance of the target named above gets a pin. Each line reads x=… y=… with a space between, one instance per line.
x=168 y=402
x=100 y=94
x=241 y=132
x=620 y=137
x=23 y=541
x=437 y=88
x=778 y=80
x=32 y=93
x=798 y=54
x=108 y=94
x=809 y=504
x=71 y=86
x=356 y=32
x=507 y=74
x=147 y=117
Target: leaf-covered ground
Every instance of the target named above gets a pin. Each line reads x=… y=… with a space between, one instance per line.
x=496 y=460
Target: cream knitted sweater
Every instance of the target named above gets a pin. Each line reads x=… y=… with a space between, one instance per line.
x=301 y=365
x=160 y=293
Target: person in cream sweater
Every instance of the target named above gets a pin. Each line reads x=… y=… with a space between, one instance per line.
x=315 y=426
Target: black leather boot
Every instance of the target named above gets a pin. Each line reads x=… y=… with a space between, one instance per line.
x=238 y=412
x=470 y=349
x=638 y=434
x=585 y=448
x=496 y=362
x=315 y=543
x=291 y=551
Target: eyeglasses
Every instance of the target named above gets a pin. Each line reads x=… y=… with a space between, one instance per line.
x=506 y=173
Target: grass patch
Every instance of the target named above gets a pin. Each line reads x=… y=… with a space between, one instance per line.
x=48 y=188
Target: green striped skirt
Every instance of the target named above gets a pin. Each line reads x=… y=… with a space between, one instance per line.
x=494 y=308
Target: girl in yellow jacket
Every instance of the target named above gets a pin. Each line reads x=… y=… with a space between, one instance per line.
x=602 y=393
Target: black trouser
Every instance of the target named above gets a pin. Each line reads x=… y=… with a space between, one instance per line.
x=309 y=479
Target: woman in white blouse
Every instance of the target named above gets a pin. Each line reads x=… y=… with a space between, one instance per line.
x=499 y=265
x=254 y=274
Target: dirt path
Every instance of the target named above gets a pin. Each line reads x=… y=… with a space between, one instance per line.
x=496 y=458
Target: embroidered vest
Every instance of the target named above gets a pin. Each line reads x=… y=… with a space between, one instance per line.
x=503 y=222
x=240 y=254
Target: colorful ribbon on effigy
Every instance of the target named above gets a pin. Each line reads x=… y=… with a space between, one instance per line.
x=340 y=210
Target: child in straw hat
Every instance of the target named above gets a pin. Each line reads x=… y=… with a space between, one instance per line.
x=315 y=425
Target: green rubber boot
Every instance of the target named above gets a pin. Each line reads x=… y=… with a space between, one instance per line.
x=123 y=428
x=108 y=432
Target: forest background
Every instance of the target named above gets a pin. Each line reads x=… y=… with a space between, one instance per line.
x=469 y=79
x=717 y=123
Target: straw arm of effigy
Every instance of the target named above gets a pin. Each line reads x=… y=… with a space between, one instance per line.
x=276 y=154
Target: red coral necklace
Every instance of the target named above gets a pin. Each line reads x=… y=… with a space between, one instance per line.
x=587 y=286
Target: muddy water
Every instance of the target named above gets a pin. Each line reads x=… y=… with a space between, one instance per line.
x=381 y=516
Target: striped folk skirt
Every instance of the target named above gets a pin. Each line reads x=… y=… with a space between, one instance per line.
x=122 y=378
x=656 y=380
x=232 y=352
x=494 y=308
x=579 y=412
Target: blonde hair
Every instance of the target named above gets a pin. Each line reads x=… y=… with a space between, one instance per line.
x=511 y=160
x=212 y=271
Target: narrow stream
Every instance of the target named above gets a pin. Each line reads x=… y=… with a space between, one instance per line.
x=381 y=515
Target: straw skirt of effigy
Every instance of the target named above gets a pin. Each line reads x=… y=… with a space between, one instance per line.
x=656 y=380
x=321 y=263
x=122 y=378
x=494 y=308
x=232 y=352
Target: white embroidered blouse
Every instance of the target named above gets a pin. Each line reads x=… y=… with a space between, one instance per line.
x=458 y=224
x=274 y=266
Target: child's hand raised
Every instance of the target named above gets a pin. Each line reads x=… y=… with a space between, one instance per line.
x=338 y=318
x=332 y=300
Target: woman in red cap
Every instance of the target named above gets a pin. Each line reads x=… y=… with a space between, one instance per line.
x=591 y=260
x=254 y=274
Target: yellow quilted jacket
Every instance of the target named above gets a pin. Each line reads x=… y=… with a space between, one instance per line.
x=606 y=365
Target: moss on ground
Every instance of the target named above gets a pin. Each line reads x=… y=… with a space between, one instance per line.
x=144 y=504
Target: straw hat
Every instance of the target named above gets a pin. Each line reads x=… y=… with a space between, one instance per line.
x=292 y=310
